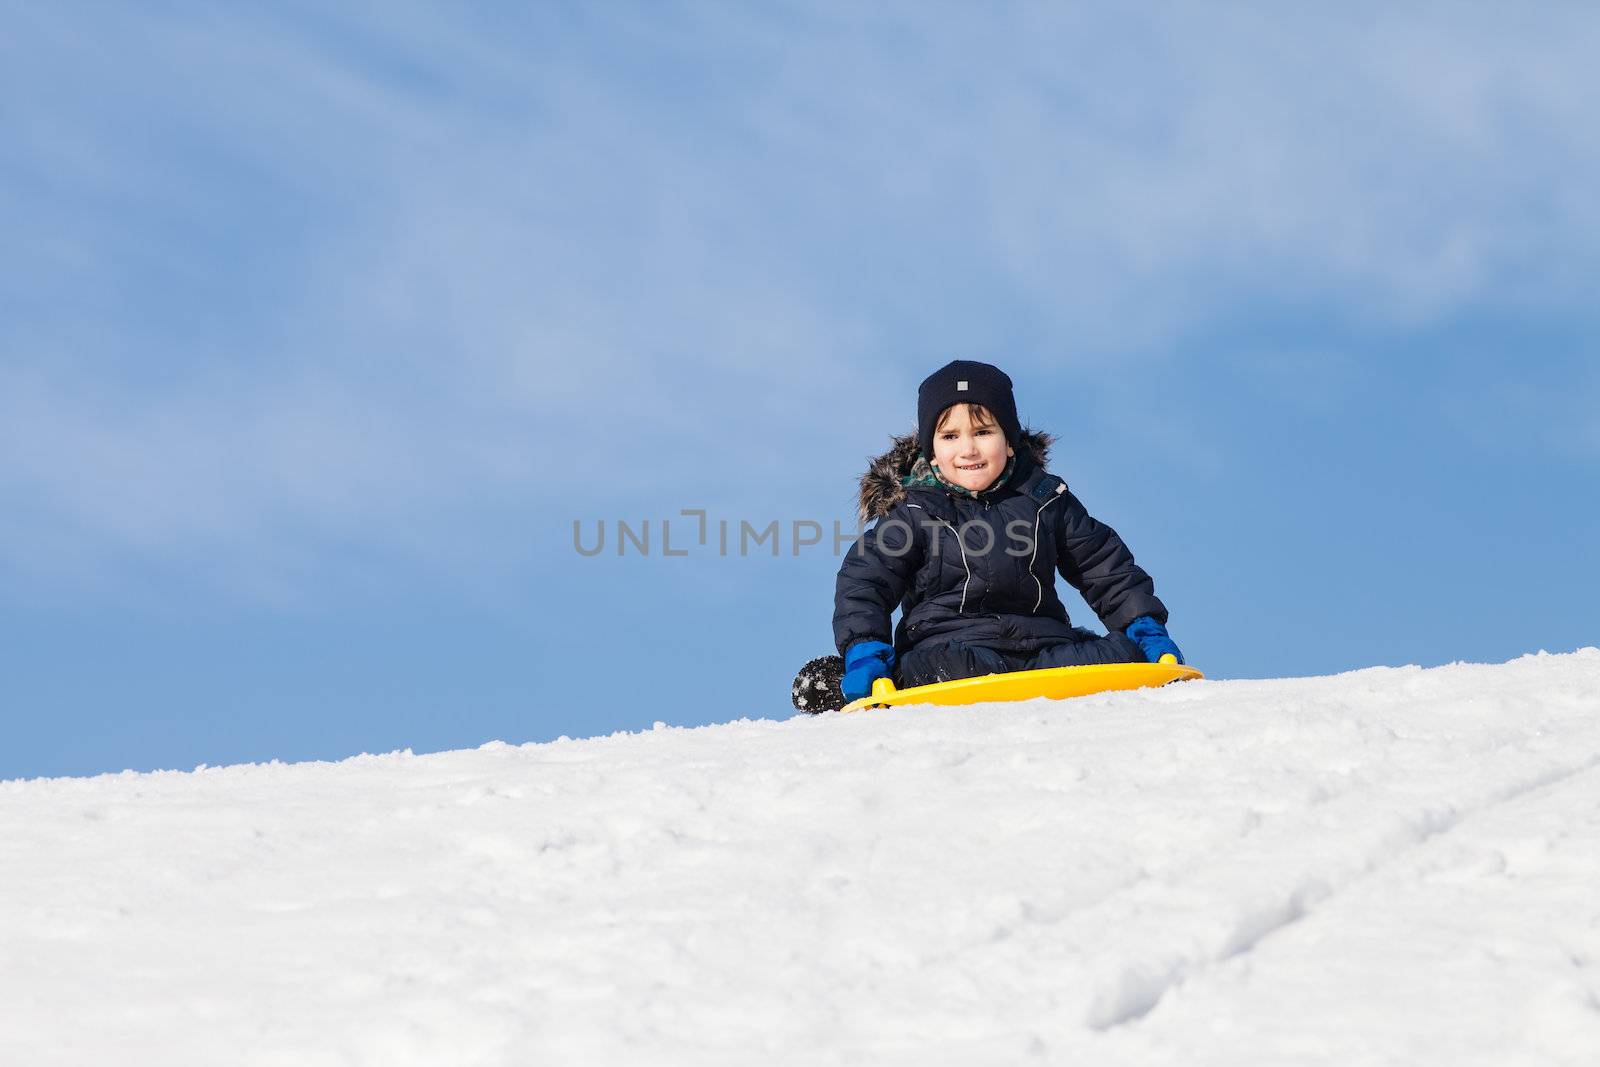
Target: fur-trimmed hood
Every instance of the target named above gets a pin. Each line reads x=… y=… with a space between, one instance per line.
x=880 y=485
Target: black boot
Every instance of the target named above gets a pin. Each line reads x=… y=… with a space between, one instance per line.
x=816 y=687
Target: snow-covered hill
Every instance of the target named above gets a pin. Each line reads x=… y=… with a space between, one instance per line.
x=1388 y=866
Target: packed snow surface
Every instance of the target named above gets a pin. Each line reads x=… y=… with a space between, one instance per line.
x=1391 y=866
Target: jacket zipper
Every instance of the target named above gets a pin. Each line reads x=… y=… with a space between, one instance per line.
x=961 y=610
x=1037 y=515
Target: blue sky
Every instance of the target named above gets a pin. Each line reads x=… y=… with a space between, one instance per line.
x=322 y=324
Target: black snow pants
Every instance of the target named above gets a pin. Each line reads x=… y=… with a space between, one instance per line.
x=926 y=664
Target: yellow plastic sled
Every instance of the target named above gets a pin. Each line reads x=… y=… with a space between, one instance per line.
x=1056 y=683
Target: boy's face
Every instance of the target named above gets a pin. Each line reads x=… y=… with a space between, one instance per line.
x=970 y=452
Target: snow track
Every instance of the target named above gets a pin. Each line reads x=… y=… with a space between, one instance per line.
x=1388 y=866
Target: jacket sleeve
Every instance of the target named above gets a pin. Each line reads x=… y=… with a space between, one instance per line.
x=873 y=579
x=1095 y=562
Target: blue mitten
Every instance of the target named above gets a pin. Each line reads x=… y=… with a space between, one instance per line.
x=1152 y=638
x=864 y=663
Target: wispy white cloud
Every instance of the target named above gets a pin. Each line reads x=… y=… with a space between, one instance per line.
x=282 y=279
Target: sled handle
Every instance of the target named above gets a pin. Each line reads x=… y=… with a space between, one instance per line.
x=1169 y=659
x=882 y=687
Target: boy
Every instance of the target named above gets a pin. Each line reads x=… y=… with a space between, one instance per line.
x=971 y=531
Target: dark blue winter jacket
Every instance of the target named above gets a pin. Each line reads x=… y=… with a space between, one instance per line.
x=981 y=571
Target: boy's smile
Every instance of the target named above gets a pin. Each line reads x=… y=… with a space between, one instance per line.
x=969 y=451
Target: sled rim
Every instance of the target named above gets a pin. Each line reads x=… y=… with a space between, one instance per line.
x=1051 y=683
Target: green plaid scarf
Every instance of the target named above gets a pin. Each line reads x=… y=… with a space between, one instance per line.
x=925 y=472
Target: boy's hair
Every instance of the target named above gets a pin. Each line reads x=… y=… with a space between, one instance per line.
x=977 y=413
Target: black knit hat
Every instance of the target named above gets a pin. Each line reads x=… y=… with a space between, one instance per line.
x=963 y=381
